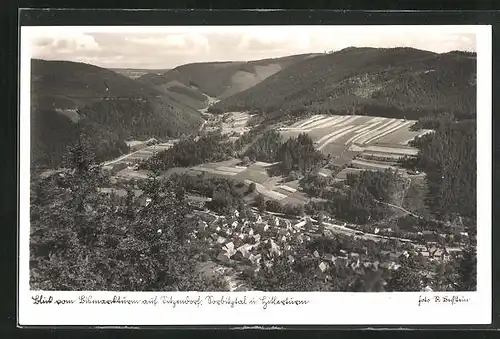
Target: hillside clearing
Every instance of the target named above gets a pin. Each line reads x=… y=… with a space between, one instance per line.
x=338 y=135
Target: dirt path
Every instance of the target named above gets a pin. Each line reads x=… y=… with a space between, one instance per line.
x=210 y=101
x=121 y=158
x=399 y=208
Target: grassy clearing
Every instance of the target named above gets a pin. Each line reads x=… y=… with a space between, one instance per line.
x=389 y=123
x=331 y=134
x=295 y=199
x=253 y=175
x=401 y=136
x=340 y=138
x=368 y=128
x=210 y=170
x=303 y=122
x=230 y=169
x=342 y=175
x=365 y=164
x=267 y=192
x=388 y=131
x=392 y=149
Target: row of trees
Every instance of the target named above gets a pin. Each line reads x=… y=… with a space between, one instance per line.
x=299 y=154
x=277 y=207
x=266 y=147
x=382 y=185
x=433 y=122
x=320 y=186
x=295 y=154
x=192 y=151
x=82 y=239
x=358 y=199
x=448 y=157
x=226 y=194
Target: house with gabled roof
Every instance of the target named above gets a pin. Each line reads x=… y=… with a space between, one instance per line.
x=255 y=259
x=229 y=248
x=323 y=266
x=275 y=249
x=299 y=225
x=276 y=221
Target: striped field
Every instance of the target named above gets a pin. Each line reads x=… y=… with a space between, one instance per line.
x=362 y=142
x=343 y=131
x=236 y=122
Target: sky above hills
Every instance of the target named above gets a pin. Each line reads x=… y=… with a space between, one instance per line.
x=170 y=46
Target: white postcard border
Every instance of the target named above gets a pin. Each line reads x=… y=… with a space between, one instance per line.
x=322 y=308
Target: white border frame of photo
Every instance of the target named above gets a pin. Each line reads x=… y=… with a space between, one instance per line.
x=265 y=308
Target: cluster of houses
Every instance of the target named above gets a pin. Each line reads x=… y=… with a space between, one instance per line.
x=246 y=240
x=260 y=238
x=257 y=241
x=254 y=242
x=433 y=251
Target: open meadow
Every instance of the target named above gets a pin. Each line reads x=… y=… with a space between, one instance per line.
x=269 y=186
x=235 y=122
x=375 y=140
x=343 y=131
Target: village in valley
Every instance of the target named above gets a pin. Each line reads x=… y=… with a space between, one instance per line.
x=312 y=172
x=249 y=244
x=242 y=245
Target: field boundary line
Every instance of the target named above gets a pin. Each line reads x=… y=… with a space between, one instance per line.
x=394 y=129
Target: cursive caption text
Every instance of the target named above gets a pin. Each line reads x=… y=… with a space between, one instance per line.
x=264 y=302
x=450 y=300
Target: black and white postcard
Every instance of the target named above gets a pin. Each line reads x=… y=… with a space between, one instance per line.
x=235 y=175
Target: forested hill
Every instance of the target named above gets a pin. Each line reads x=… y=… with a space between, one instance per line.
x=68 y=98
x=221 y=79
x=396 y=82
